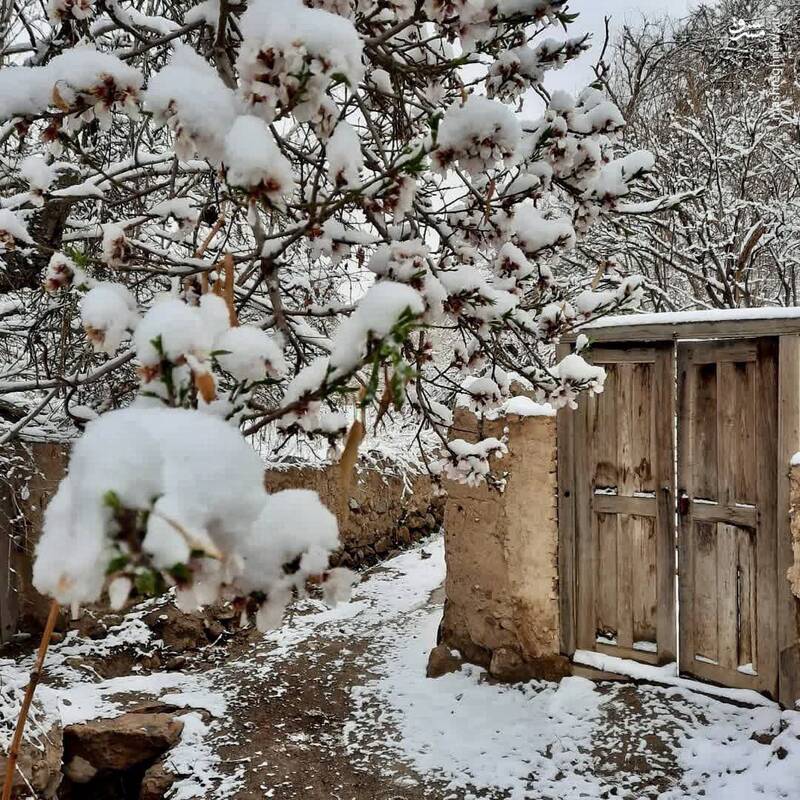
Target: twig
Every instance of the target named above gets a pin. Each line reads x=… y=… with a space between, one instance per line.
x=36 y=674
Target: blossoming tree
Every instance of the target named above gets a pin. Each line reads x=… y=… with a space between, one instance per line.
x=231 y=217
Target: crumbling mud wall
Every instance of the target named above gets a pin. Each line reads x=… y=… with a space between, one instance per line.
x=30 y=475
x=501 y=608
x=384 y=512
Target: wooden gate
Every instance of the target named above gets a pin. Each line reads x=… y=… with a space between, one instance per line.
x=727 y=502
x=675 y=480
x=624 y=507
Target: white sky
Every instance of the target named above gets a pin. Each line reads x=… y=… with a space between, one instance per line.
x=576 y=75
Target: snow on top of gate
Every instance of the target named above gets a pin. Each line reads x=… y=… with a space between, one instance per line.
x=682 y=317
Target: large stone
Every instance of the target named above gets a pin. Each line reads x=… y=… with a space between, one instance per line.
x=122 y=742
x=179 y=631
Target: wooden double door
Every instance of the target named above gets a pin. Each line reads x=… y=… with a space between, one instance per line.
x=675 y=483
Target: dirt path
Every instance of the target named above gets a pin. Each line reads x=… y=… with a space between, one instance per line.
x=336 y=705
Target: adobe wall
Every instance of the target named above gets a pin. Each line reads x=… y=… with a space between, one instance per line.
x=30 y=475
x=501 y=608
x=384 y=513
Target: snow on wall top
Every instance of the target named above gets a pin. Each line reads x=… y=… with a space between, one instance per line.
x=683 y=317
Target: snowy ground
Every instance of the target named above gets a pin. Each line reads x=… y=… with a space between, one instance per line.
x=336 y=705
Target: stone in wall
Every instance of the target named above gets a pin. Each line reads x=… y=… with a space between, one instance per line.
x=501 y=609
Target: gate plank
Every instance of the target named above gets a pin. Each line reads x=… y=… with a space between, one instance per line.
x=565 y=442
x=606 y=596
x=745 y=422
x=727 y=596
x=664 y=466
x=625 y=582
x=604 y=433
x=704 y=431
x=727 y=432
x=585 y=546
x=766 y=403
x=644 y=579
x=703 y=615
x=746 y=598
x=687 y=390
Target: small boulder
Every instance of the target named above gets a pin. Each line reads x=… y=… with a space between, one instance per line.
x=404 y=535
x=156 y=782
x=178 y=630
x=441 y=662
x=383 y=545
x=122 y=742
x=507 y=665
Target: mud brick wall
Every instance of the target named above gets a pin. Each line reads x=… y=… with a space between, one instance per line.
x=501 y=608
x=384 y=513
x=30 y=473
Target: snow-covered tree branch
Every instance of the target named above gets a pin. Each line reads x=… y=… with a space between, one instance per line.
x=264 y=214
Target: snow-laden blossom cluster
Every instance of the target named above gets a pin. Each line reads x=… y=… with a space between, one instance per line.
x=281 y=216
x=212 y=531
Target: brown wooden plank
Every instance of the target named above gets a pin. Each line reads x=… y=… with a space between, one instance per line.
x=585 y=545
x=624 y=504
x=606 y=580
x=645 y=656
x=645 y=583
x=603 y=433
x=626 y=428
x=715 y=512
x=788 y=637
x=704 y=431
x=664 y=466
x=727 y=432
x=687 y=381
x=565 y=444
x=744 y=444
x=725 y=677
x=642 y=410
x=616 y=355
x=766 y=404
x=727 y=596
x=746 y=597
x=715 y=352
x=704 y=618
x=625 y=585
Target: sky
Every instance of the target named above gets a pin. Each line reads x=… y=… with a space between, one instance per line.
x=576 y=75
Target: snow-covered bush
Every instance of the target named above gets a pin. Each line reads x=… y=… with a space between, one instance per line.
x=259 y=215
